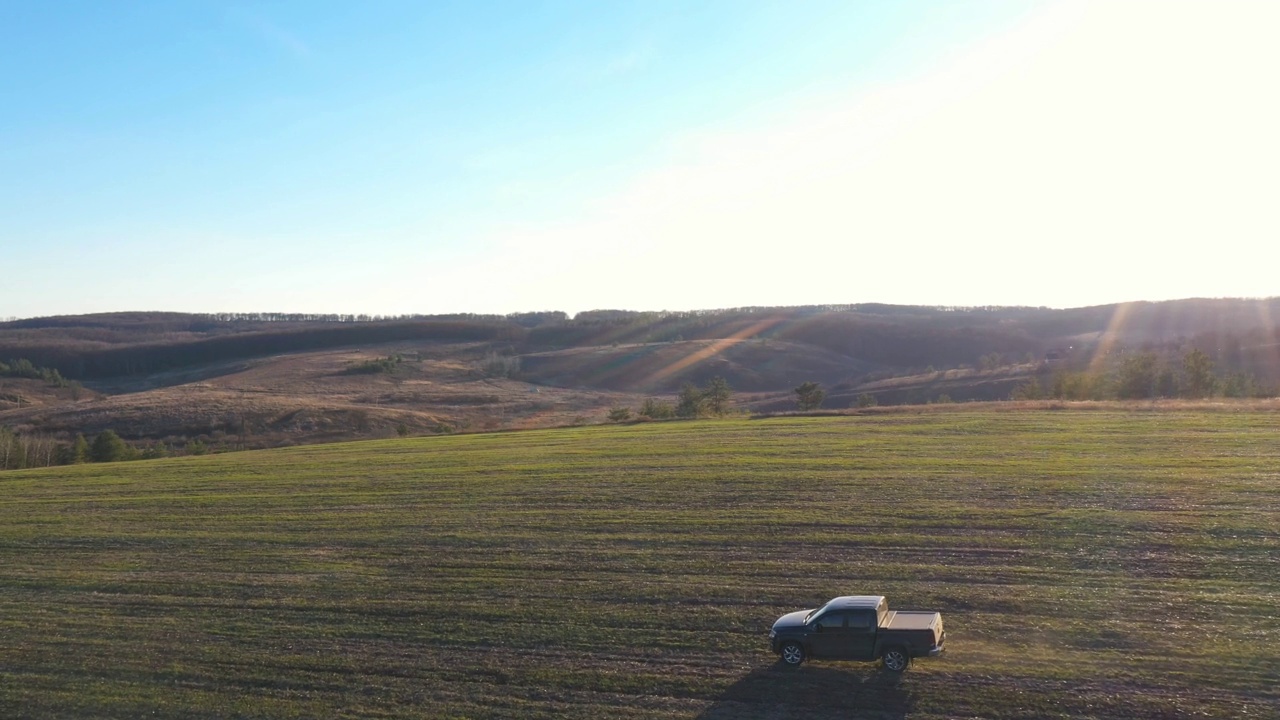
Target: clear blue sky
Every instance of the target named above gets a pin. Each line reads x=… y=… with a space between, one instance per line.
x=420 y=157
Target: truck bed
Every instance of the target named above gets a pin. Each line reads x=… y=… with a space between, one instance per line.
x=910 y=620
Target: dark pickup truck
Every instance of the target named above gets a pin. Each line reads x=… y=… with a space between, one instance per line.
x=858 y=627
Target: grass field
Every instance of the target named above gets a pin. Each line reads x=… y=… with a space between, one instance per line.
x=1110 y=563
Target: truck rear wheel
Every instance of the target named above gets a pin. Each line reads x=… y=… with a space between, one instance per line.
x=895 y=659
x=792 y=653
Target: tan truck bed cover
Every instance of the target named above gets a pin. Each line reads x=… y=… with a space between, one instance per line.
x=910 y=620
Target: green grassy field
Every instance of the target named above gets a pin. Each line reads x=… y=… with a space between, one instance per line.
x=1109 y=563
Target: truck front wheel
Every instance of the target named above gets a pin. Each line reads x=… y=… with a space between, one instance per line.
x=792 y=653
x=895 y=659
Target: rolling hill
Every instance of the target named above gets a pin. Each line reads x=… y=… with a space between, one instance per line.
x=264 y=380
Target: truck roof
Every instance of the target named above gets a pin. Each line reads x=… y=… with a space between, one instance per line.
x=846 y=602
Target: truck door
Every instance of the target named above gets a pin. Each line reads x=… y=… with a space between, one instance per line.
x=860 y=635
x=828 y=635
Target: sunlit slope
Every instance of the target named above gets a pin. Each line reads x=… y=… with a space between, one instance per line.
x=747 y=365
x=1090 y=564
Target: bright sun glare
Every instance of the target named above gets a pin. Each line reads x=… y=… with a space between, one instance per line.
x=1098 y=152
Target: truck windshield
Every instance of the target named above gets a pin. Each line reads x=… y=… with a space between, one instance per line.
x=815 y=613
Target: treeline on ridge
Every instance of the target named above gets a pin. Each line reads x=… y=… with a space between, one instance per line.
x=93 y=362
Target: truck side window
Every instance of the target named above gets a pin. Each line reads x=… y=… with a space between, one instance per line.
x=860 y=621
x=831 y=621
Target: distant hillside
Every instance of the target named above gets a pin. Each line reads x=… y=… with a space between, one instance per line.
x=1240 y=335
x=305 y=397
x=267 y=379
x=887 y=337
x=98 y=347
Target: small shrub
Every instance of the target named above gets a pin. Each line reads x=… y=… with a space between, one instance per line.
x=108 y=447
x=699 y=402
x=1241 y=385
x=716 y=396
x=809 y=396
x=1076 y=386
x=657 y=410
x=1137 y=376
x=690 y=402
x=79 y=452
x=385 y=365
x=495 y=365
x=1029 y=390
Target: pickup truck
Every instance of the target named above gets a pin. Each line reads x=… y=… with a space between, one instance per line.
x=858 y=627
